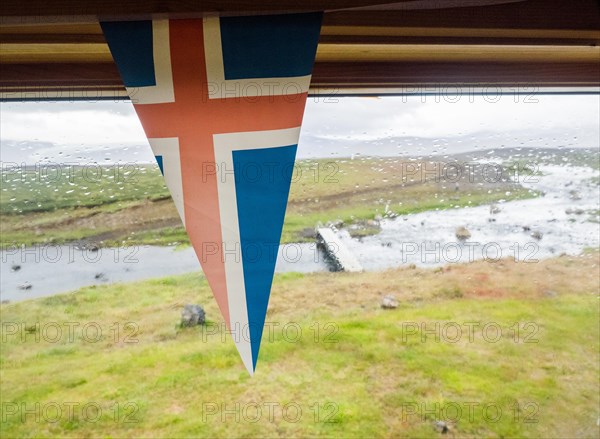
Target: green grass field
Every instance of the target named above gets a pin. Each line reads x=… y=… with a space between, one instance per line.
x=121 y=205
x=354 y=370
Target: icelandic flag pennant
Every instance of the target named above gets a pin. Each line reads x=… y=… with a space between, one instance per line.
x=221 y=100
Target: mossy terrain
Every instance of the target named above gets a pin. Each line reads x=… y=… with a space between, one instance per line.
x=504 y=349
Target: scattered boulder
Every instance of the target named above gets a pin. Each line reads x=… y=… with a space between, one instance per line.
x=526 y=228
x=574 y=211
x=574 y=195
x=361 y=228
x=25 y=286
x=192 y=315
x=537 y=235
x=494 y=209
x=308 y=233
x=15 y=267
x=462 y=234
x=100 y=276
x=338 y=224
x=441 y=427
x=389 y=302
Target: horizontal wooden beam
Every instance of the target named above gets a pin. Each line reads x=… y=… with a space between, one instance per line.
x=445 y=73
x=457 y=32
x=333 y=74
x=534 y=42
x=508 y=14
x=91 y=33
x=402 y=29
x=43 y=10
x=56 y=38
x=15 y=53
x=54 y=53
x=60 y=74
x=494 y=41
x=525 y=15
x=455 y=53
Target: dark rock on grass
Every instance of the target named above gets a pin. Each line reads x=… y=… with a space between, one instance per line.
x=192 y=315
x=389 y=302
x=462 y=234
x=308 y=233
x=441 y=427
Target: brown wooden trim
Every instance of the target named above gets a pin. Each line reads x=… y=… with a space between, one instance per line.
x=529 y=14
x=67 y=74
x=53 y=28
x=424 y=73
x=489 y=40
x=13 y=53
x=51 y=39
x=142 y=8
x=56 y=38
x=455 y=53
x=54 y=53
x=24 y=76
x=455 y=32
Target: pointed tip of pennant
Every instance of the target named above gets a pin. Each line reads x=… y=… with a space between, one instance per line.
x=245 y=352
x=249 y=364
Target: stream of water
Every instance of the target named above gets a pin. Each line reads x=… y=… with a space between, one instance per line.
x=564 y=220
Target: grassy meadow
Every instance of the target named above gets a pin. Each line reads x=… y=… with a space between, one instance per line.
x=333 y=364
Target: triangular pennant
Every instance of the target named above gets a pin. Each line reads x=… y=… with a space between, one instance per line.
x=221 y=100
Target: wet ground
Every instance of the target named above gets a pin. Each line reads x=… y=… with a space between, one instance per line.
x=563 y=220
